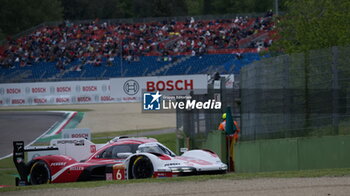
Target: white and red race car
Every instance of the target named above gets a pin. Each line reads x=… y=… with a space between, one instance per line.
x=119 y=159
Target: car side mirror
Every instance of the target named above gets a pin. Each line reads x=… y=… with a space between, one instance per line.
x=124 y=155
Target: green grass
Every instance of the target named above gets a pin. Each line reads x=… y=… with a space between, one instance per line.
x=7 y=176
x=8 y=172
x=44 y=109
x=120 y=133
x=168 y=140
x=229 y=176
x=6 y=163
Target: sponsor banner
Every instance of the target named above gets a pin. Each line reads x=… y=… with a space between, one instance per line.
x=48 y=93
x=98 y=91
x=55 y=88
x=130 y=89
x=76 y=133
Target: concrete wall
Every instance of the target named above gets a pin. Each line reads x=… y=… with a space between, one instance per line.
x=293 y=154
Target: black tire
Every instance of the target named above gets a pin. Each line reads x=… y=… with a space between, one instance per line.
x=40 y=173
x=142 y=168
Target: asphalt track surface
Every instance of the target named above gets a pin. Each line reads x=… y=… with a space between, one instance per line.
x=24 y=126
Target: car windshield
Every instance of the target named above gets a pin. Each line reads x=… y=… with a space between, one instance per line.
x=112 y=152
x=153 y=148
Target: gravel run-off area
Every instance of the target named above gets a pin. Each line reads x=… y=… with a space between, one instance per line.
x=324 y=186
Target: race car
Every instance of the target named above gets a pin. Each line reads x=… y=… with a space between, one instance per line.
x=120 y=159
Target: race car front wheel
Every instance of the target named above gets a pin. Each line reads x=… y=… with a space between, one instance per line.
x=39 y=173
x=142 y=168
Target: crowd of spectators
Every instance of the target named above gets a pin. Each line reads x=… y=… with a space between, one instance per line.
x=98 y=42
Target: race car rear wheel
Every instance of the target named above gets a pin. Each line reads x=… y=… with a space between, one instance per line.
x=142 y=168
x=39 y=173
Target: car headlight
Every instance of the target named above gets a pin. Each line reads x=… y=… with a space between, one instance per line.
x=187 y=169
x=175 y=170
x=182 y=169
x=223 y=167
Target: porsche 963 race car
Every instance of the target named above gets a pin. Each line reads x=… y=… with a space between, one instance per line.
x=121 y=158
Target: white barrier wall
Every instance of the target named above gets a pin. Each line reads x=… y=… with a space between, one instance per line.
x=96 y=91
x=44 y=93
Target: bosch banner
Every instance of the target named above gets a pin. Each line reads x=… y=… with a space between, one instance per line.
x=47 y=93
x=130 y=89
x=98 y=91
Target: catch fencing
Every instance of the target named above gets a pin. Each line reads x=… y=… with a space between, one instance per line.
x=296 y=95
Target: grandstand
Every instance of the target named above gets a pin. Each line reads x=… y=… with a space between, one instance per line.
x=105 y=49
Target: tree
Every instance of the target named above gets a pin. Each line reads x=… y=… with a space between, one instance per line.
x=313 y=24
x=92 y=9
x=159 y=8
x=309 y=25
x=236 y=6
x=18 y=15
x=195 y=7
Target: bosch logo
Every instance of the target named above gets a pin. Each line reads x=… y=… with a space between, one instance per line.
x=131 y=87
x=38 y=90
x=107 y=98
x=40 y=100
x=63 y=89
x=62 y=100
x=89 y=88
x=169 y=85
x=84 y=99
x=13 y=91
x=18 y=101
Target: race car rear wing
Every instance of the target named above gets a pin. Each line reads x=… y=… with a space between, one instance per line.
x=19 y=160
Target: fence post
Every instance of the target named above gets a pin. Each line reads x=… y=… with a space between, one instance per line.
x=335 y=91
x=286 y=96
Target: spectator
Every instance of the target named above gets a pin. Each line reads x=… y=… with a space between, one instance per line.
x=101 y=42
